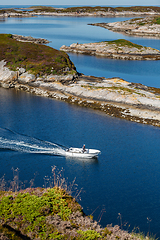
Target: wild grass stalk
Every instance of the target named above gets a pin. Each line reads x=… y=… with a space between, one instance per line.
x=57 y=179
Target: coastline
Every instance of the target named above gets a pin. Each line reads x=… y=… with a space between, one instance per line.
x=144 y=25
x=59 y=88
x=118 y=49
x=141 y=27
x=114 y=97
x=80 y=11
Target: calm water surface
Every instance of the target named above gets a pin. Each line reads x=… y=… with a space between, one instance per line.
x=125 y=179
x=68 y=30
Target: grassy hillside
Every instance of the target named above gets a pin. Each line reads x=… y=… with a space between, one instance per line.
x=35 y=58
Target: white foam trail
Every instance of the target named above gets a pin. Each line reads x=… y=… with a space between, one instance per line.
x=17 y=142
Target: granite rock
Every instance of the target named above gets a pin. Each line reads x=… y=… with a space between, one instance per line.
x=116 y=51
x=26 y=77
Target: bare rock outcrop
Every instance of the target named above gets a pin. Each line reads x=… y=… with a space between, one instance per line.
x=143 y=27
x=118 y=49
x=6 y=75
x=30 y=39
x=115 y=97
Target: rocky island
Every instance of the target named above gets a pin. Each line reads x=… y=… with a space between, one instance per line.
x=44 y=71
x=80 y=11
x=143 y=27
x=118 y=49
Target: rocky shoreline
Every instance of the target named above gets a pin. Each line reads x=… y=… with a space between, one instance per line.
x=80 y=11
x=119 y=49
x=29 y=39
x=114 y=97
x=143 y=27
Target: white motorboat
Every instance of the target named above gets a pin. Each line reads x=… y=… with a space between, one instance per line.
x=81 y=153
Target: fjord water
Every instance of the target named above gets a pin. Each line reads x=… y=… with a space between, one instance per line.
x=125 y=179
x=68 y=30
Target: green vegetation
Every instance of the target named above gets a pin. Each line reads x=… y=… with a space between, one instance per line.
x=35 y=58
x=86 y=9
x=89 y=235
x=48 y=213
x=30 y=210
x=138 y=9
x=134 y=19
x=32 y=213
x=42 y=9
x=123 y=43
x=10 y=10
x=89 y=9
x=157 y=20
x=143 y=21
x=128 y=90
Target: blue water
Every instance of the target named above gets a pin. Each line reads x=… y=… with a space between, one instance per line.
x=68 y=30
x=125 y=179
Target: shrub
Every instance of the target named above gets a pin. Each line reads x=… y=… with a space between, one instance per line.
x=89 y=235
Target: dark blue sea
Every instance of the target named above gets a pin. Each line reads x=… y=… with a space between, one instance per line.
x=125 y=179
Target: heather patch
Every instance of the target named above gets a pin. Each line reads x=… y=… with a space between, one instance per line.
x=35 y=58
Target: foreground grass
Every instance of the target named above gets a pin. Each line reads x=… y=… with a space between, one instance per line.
x=35 y=58
x=27 y=211
x=32 y=213
x=50 y=213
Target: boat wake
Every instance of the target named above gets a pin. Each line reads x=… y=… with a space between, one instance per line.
x=11 y=140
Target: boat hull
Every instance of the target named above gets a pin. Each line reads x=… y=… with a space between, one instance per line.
x=79 y=153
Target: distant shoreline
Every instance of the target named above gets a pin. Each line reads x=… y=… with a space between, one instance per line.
x=81 y=11
x=116 y=49
x=148 y=27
